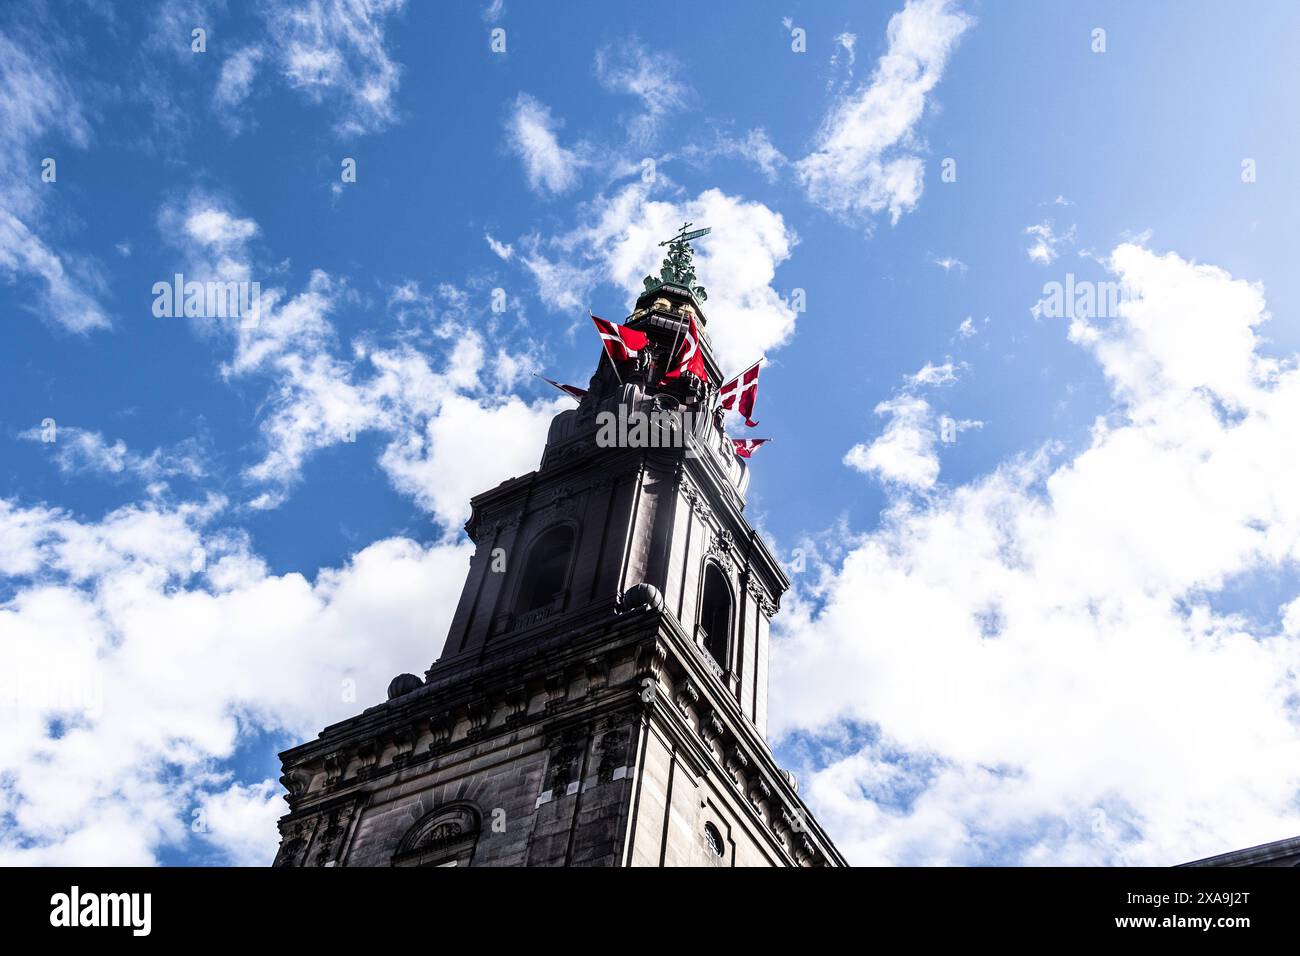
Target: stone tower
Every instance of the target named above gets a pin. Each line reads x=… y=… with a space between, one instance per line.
x=601 y=698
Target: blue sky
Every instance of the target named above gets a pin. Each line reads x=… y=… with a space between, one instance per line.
x=1107 y=543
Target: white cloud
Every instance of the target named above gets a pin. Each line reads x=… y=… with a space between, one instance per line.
x=240 y=821
x=337 y=49
x=755 y=148
x=216 y=227
x=69 y=290
x=904 y=454
x=628 y=67
x=79 y=450
x=737 y=263
x=236 y=82
x=1041 y=655
x=530 y=132
x=844 y=52
x=904 y=451
x=866 y=160
x=1043 y=249
x=502 y=250
x=321 y=396
x=444 y=464
x=562 y=285
x=128 y=678
x=38 y=105
x=948 y=263
x=931 y=374
x=967 y=328
x=758 y=149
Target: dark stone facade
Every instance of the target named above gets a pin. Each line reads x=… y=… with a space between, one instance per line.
x=1279 y=853
x=580 y=713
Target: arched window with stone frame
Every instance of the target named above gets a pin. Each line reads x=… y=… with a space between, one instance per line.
x=544 y=577
x=716 y=618
x=446 y=836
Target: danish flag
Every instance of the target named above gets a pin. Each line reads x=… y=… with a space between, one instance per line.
x=571 y=390
x=689 y=357
x=741 y=392
x=745 y=446
x=621 y=342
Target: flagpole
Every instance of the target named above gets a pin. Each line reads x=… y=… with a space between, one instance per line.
x=672 y=353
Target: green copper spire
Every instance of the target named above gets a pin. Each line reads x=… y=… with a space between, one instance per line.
x=679 y=267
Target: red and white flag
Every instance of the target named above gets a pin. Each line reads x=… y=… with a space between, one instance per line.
x=621 y=343
x=689 y=357
x=571 y=390
x=745 y=446
x=741 y=392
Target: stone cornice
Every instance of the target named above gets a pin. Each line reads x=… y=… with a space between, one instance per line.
x=667 y=677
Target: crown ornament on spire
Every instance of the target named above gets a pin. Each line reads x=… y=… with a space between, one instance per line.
x=679 y=266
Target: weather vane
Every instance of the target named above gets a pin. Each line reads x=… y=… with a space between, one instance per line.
x=678 y=267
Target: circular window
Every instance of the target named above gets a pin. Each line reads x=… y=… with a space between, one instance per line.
x=713 y=839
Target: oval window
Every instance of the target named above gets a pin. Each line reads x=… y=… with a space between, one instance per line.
x=713 y=839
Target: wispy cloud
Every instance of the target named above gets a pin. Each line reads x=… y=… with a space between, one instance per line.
x=337 y=49
x=754 y=147
x=530 y=134
x=905 y=453
x=1045 y=242
x=79 y=451
x=236 y=83
x=653 y=78
x=39 y=104
x=866 y=159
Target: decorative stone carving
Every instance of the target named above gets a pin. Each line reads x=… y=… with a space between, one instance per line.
x=562 y=768
x=516 y=704
x=557 y=690
x=562 y=502
x=737 y=762
x=723 y=549
x=446 y=834
x=687 y=696
x=294 y=844
x=335 y=764
x=613 y=754
x=712 y=727
x=479 y=713
x=404 y=740
x=368 y=758
x=597 y=673
x=328 y=846
x=441 y=726
x=651 y=659
x=296 y=780
x=507 y=523
x=440 y=829
x=697 y=503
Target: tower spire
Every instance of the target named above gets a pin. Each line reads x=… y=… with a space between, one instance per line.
x=601 y=696
x=678 y=266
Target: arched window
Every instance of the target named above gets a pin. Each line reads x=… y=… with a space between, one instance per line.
x=445 y=837
x=546 y=570
x=715 y=614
